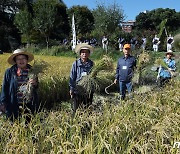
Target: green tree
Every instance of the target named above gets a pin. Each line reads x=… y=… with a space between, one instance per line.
x=23 y=20
x=61 y=23
x=108 y=19
x=156 y=22
x=44 y=17
x=9 y=34
x=84 y=19
x=151 y=20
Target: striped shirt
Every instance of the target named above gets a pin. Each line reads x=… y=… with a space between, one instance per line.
x=22 y=80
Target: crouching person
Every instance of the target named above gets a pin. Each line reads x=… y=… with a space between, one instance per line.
x=81 y=67
x=18 y=95
x=167 y=73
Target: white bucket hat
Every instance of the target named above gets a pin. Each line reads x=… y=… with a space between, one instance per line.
x=19 y=52
x=170 y=52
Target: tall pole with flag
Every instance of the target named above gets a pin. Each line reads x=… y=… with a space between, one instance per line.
x=73 y=33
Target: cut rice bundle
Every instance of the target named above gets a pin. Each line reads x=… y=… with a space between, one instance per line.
x=38 y=67
x=89 y=83
x=143 y=59
x=161 y=63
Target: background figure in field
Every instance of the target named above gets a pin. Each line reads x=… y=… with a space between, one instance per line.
x=65 y=41
x=121 y=42
x=156 y=43
x=79 y=41
x=93 y=42
x=170 y=41
x=105 y=43
x=144 y=43
x=86 y=41
x=133 y=43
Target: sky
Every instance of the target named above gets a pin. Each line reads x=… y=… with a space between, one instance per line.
x=131 y=7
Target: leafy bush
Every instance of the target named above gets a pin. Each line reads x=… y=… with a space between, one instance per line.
x=176 y=43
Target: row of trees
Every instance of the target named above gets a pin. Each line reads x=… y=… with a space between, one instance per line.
x=49 y=21
x=161 y=22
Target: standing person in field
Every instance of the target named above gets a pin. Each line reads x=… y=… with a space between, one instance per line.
x=170 y=41
x=156 y=43
x=15 y=83
x=121 y=42
x=124 y=71
x=166 y=74
x=133 y=43
x=143 y=43
x=105 y=43
x=81 y=67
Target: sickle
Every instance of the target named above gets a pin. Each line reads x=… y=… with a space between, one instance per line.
x=108 y=87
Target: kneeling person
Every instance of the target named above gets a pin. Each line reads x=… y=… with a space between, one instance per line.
x=166 y=74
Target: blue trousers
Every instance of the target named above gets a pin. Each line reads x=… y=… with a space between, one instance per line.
x=123 y=86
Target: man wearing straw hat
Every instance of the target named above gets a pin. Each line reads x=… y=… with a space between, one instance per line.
x=124 y=71
x=165 y=74
x=81 y=67
x=15 y=83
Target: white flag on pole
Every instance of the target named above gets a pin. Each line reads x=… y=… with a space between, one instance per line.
x=73 y=33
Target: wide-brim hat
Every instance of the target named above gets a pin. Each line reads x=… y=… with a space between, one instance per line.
x=170 y=52
x=81 y=46
x=19 y=52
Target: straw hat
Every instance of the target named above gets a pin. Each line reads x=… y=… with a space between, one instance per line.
x=19 y=52
x=81 y=46
x=170 y=52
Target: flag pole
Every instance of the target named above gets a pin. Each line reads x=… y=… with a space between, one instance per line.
x=73 y=33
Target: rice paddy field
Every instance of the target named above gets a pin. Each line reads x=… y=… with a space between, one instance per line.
x=149 y=123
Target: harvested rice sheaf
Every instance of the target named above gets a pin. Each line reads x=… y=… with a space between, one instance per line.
x=161 y=63
x=105 y=63
x=143 y=59
x=89 y=83
x=38 y=67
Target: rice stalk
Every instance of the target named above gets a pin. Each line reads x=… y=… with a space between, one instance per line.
x=161 y=63
x=38 y=67
x=143 y=60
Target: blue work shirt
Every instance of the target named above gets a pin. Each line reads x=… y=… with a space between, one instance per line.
x=79 y=69
x=125 y=68
x=171 y=64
